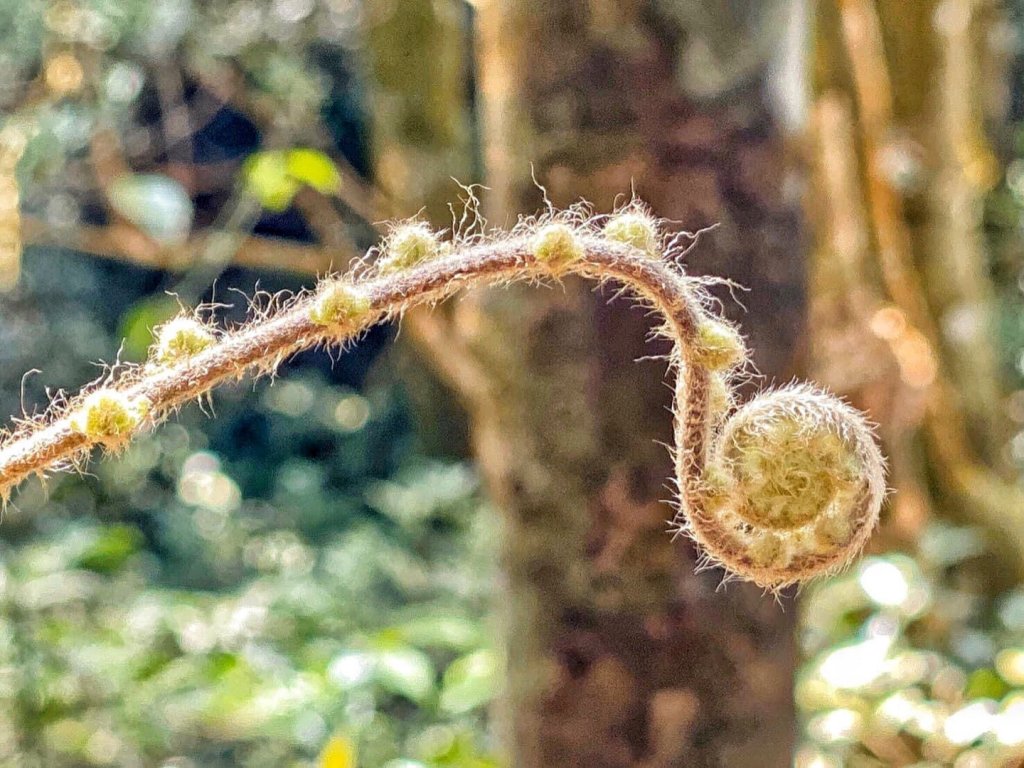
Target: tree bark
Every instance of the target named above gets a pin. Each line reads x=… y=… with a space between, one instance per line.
x=618 y=654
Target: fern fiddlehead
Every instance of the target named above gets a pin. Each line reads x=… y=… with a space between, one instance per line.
x=786 y=487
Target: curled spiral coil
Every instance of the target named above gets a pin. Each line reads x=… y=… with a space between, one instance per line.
x=786 y=487
x=792 y=489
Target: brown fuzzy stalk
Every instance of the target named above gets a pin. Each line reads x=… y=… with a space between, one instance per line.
x=768 y=518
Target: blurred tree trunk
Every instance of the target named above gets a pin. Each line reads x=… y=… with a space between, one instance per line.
x=618 y=654
x=903 y=311
x=422 y=139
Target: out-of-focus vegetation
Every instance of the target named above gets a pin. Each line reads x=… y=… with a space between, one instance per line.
x=295 y=582
x=1005 y=220
x=291 y=579
x=910 y=657
x=909 y=662
x=1004 y=227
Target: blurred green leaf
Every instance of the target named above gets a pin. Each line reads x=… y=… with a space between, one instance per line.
x=110 y=550
x=266 y=177
x=405 y=671
x=449 y=632
x=274 y=177
x=470 y=681
x=443 y=746
x=985 y=684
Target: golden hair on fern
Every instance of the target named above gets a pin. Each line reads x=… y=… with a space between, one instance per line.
x=786 y=487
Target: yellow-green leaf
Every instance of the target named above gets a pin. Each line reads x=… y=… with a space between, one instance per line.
x=275 y=176
x=314 y=168
x=405 y=671
x=266 y=177
x=470 y=681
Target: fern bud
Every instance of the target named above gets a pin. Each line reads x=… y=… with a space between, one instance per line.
x=556 y=245
x=720 y=398
x=784 y=488
x=339 y=305
x=718 y=346
x=798 y=485
x=636 y=228
x=180 y=339
x=109 y=416
x=407 y=245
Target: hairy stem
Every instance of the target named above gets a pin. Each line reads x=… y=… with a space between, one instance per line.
x=259 y=347
x=717 y=514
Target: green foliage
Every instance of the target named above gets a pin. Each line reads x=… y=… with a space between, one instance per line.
x=274 y=177
x=314 y=169
x=270 y=588
x=1004 y=224
x=266 y=177
x=107 y=666
x=470 y=682
x=910 y=661
x=124 y=52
